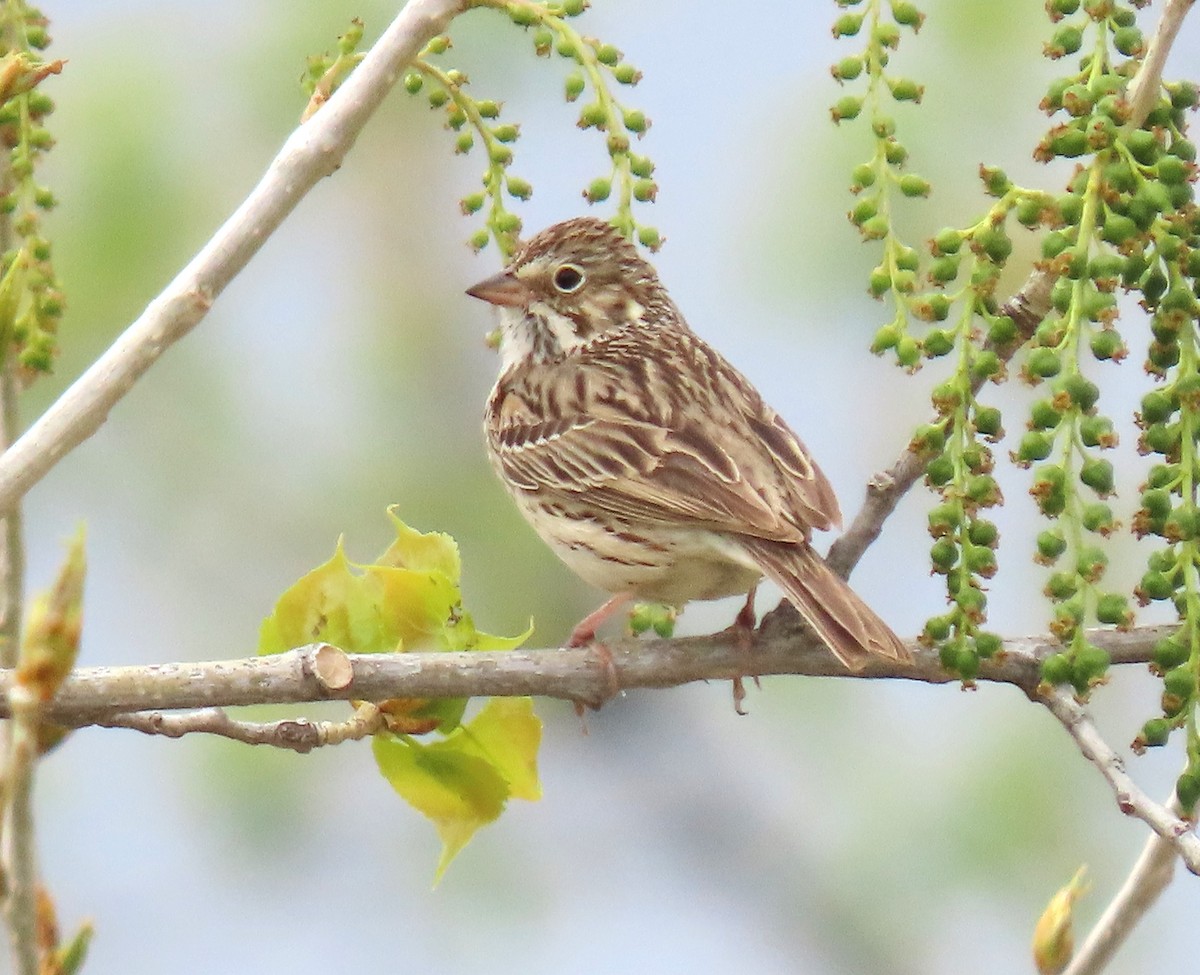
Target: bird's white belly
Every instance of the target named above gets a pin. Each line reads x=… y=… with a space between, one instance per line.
x=673 y=565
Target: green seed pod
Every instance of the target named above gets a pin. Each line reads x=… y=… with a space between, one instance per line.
x=641 y=166
x=940 y=470
x=438 y=97
x=943 y=555
x=1106 y=344
x=937 y=343
x=1163 y=476
x=987 y=644
x=1162 y=439
x=1118 y=229
x=521 y=15
x=1054 y=244
x=649 y=238
x=1144 y=146
x=1097 y=431
x=438 y=45
x=876 y=228
x=908 y=352
x=928 y=438
x=906 y=14
x=573 y=86
x=995 y=180
x=888 y=35
x=1066 y=40
x=1068 y=142
x=847 y=25
x=413 y=82
x=1090 y=664
x=1028 y=211
x=645 y=190
x=1128 y=40
x=479 y=240
x=1097 y=474
x=488 y=108
x=1180 y=681
x=943 y=519
x=1113 y=608
x=1157 y=407
x=1043 y=363
x=636 y=121
x=1051 y=544
x=1170 y=652
x=1083 y=392
x=1062 y=8
x=1035 y=445
x=894 y=153
x=464 y=142
x=996 y=244
x=863 y=175
x=986 y=365
x=1077 y=100
x=848 y=69
x=937 y=628
x=598 y=190
x=1002 y=331
x=886 y=338
x=972 y=601
x=1056 y=669
x=566 y=48
x=846 y=107
x=1154 y=586
x=981 y=562
x=1155 y=733
x=1163 y=355
x=1061 y=585
x=500 y=154
x=519 y=188
x=592 y=116
x=472 y=203
x=906 y=90
x=1091 y=563
x=1044 y=415
x=984 y=533
x=947 y=241
x=608 y=54
x=1187 y=790
x=944 y=269
x=988 y=421
x=1098 y=517
x=573 y=8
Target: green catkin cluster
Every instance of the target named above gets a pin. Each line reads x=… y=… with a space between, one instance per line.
x=31 y=298
x=931 y=322
x=595 y=67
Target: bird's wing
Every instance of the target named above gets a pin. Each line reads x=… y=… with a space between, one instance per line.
x=698 y=450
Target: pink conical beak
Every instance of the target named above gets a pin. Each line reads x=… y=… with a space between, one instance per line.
x=501 y=289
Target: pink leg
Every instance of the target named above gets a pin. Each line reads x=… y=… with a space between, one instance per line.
x=743 y=630
x=585 y=632
x=584 y=635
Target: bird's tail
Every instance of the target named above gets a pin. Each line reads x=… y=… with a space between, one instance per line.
x=847 y=625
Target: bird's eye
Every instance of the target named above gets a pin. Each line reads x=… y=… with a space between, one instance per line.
x=568 y=278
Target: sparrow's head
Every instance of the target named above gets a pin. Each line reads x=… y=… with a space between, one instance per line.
x=570 y=283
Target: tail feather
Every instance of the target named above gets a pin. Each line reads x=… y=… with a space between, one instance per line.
x=847 y=625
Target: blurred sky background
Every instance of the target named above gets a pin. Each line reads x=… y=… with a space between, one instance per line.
x=843 y=827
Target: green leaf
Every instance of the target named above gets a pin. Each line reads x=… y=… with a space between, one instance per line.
x=463 y=782
x=428 y=552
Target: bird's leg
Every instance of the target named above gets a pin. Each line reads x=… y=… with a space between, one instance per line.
x=584 y=635
x=743 y=633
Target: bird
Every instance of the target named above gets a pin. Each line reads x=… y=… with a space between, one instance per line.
x=648 y=463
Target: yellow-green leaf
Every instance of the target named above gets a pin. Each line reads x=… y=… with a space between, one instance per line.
x=506 y=733
x=457 y=791
x=422 y=551
x=330 y=603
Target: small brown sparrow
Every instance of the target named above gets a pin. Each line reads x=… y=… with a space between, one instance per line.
x=648 y=463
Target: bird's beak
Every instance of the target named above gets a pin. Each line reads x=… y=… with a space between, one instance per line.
x=501 y=289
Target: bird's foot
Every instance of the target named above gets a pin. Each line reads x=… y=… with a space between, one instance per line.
x=743 y=632
x=584 y=635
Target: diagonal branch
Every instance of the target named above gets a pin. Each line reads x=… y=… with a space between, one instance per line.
x=313 y=151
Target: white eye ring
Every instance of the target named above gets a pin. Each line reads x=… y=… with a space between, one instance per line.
x=568 y=278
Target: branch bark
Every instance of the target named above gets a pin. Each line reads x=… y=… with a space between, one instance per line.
x=313 y=151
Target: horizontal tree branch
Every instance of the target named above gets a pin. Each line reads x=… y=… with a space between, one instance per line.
x=320 y=672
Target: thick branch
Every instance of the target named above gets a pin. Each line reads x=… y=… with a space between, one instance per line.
x=320 y=672
x=313 y=151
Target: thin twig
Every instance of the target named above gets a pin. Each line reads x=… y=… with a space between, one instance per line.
x=1144 y=90
x=313 y=151
x=292 y=734
x=1131 y=800
x=1150 y=876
